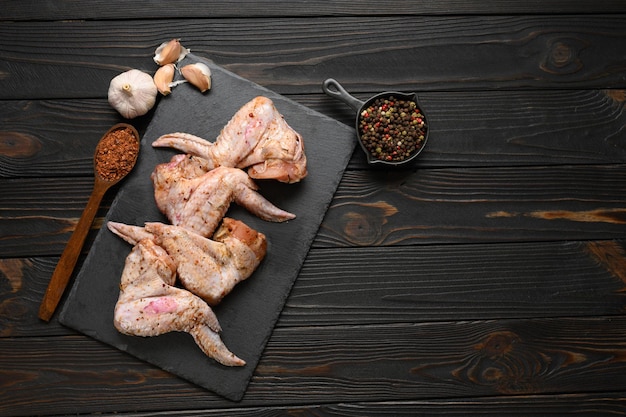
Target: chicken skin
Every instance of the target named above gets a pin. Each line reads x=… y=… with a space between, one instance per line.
x=256 y=138
x=208 y=268
x=198 y=203
x=149 y=304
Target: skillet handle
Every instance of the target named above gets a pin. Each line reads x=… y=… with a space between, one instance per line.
x=335 y=90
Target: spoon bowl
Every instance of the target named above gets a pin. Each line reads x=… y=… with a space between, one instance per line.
x=115 y=155
x=108 y=171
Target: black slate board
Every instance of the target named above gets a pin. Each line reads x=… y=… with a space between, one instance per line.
x=249 y=313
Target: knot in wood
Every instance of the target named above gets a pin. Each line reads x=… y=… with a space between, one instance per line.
x=18 y=145
x=498 y=344
x=618 y=96
x=563 y=56
x=365 y=226
x=361 y=229
x=503 y=363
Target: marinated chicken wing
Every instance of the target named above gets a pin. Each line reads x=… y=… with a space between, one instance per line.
x=149 y=304
x=198 y=203
x=208 y=268
x=256 y=138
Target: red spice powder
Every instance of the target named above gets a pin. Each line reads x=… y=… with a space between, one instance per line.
x=116 y=154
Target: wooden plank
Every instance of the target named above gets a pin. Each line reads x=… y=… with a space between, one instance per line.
x=293 y=56
x=38 y=216
x=72 y=371
x=513 y=128
x=433 y=206
x=305 y=365
x=22 y=284
x=361 y=286
x=611 y=403
x=443 y=360
x=57 y=138
x=151 y=9
x=46 y=138
x=497 y=204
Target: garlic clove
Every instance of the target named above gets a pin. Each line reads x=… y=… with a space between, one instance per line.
x=163 y=78
x=198 y=74
x=170 y=52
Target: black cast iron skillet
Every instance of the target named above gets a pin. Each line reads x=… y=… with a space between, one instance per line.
x=335 y=90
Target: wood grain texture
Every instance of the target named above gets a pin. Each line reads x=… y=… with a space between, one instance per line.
x=499 y=204
x=487 y=128
x=38 y=216
x=308 y=365
x=150 y=9
x=554 y=405
x=365 y=286
x=486 y=280
x=408 y=360
x=39 y=138
x=22 y=285
x=458 y=282
x=393 y=52
x=476 y=205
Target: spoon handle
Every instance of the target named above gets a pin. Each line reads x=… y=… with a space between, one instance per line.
x=67 y=262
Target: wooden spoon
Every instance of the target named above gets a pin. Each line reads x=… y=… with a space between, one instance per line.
x=106 y=176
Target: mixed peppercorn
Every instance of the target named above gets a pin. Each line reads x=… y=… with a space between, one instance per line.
x=392 y=129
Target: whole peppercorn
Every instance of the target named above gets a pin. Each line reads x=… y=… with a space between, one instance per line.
x=392 y=129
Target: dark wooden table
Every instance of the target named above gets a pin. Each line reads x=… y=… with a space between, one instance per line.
x=489 y=279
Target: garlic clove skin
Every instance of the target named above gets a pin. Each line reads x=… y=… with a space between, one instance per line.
x=163 y=78
x=132 y=93
x=170 y=52
x=198 y=74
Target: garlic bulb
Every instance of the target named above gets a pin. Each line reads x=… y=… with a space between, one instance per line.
x=132 y=93
x=170 y=52
x=198 y=74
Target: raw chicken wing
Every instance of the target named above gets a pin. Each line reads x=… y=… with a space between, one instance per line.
x=257 y=138
x=149 y=304
x=208 y=268
x=198 y=203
